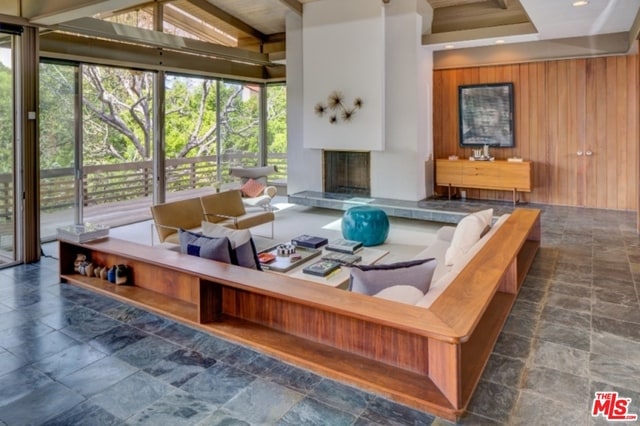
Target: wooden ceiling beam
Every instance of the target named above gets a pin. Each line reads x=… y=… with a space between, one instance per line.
x=105 y=52
x=207 y=7
x=484 y=14
x=196 y=28
x=55 y=12
x=113 y=31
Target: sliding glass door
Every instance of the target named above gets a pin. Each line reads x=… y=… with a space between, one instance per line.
x=239 y=126
x=8 y=253
x=276 y=130
x=117 y=141
x=58 y=117
x=191 y=136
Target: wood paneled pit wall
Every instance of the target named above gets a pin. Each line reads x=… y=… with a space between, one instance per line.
x=562 y=108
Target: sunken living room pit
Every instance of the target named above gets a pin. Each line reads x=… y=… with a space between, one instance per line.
x=430 y=358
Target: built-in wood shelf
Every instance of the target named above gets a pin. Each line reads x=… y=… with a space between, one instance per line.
x=428 y=358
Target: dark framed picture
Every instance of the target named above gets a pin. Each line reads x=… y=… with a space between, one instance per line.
x=486 y=114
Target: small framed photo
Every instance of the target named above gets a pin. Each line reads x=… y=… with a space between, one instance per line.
x=486 y=115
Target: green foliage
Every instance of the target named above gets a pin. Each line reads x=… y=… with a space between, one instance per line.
x=240 y=123
x=6 y=125
x=190 y=117
x=117 y=116
x=57 y=97
x=118 y=102
x=277 y=119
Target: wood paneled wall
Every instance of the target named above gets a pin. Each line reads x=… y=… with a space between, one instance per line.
x=561 y=108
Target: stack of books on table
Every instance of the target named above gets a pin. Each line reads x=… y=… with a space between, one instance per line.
x=322 y=268
x=342 y=258
x=344 y=246
x=309 y=241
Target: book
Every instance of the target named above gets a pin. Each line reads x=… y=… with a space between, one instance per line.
x=344 y=246
x=342 y=258
x=321 y=268
x=83 y=233
x=309 y=241
x=266 y=257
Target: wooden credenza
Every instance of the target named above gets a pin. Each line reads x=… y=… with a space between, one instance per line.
x=498 y=175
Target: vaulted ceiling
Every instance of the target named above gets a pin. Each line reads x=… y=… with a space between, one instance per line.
x=252 y=31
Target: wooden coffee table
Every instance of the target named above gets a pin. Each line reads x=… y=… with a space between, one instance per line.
x=339 y=278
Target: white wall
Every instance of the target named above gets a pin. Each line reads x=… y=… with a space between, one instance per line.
x=344 y=52
x=368 y=49
x=304 y=166
x=399 y=171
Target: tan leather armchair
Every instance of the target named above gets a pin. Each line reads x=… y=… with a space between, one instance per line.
x=227 y=209
x=171 y=216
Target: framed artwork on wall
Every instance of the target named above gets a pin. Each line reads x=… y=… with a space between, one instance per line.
x=486 y=115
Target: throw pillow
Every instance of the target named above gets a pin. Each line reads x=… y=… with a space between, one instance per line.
x=243 y=249
x=199 y=245
x=461 y=263
x=468 y=231
x=252 y=188
x=371 y=279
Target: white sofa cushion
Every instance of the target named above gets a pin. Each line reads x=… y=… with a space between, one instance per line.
x=440 y=285
x=446 y=233
x=401 y=293
x=437 y=287
x=237 y=237
x=464 y=259
x=436 y=251
x=467 y=233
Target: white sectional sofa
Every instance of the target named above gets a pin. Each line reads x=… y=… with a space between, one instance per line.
x=467 y=238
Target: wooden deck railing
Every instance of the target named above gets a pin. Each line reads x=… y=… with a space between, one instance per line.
x=108 y=183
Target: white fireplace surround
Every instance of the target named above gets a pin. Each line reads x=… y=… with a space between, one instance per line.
x=342 y=46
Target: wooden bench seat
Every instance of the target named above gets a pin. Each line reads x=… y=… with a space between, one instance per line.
x=430 y=359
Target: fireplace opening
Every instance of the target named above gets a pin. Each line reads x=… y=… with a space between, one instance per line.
x=347 y=172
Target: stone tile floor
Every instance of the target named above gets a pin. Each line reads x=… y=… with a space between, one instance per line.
x=70 y=357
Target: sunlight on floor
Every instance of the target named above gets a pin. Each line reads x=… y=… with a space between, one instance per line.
x=282 y=206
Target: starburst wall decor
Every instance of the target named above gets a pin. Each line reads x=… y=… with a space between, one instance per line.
x=337 y=109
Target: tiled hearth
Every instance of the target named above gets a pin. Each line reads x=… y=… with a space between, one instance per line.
x=432 y=210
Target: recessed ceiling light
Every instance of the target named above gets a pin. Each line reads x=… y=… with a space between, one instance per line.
x=499 y=41
x=578 y=3
x=449 y=46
